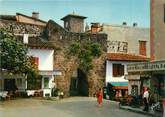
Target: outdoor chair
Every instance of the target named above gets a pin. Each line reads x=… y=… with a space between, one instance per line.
x=17 y=94
x=4 y=95
x=11 y=95
x=37 y=93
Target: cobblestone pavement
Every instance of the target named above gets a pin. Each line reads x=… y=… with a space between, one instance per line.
x=69 y=107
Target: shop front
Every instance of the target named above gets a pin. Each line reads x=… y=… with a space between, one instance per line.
x=150 y=75
x=12 y=85
x=117 y=90
x=43 y=84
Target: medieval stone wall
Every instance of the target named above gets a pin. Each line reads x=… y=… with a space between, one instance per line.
x=21 y=28
x=68 y=64
x=54 y=32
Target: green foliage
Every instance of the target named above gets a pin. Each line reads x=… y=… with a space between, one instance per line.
x=14 y=57
x=74 y=49
x=95 y=49
x=85 y=60
x=85 y=53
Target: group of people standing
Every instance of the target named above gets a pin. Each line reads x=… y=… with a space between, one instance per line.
x=99 y=96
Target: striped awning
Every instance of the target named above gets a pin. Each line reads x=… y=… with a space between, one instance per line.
x=119 y=85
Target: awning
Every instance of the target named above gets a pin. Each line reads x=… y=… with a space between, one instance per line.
x=119 y=85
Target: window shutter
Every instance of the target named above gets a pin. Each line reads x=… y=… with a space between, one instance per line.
x=118 y=70
x=142 y=48
x=115 y=70
x=36 y=61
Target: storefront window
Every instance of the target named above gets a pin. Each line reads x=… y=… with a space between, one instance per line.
x=134 y=90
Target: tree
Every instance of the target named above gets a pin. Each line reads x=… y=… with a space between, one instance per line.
x=14 y=57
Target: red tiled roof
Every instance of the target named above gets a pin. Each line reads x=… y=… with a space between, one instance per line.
x=126 y=57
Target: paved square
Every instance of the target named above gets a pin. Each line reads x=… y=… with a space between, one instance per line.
x=69 y=107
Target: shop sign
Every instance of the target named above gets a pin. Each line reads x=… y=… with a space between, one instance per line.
x=54 y=72
x=149 y=66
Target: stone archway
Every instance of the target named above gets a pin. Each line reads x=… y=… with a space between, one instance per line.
x=79 y=84
x=89 y=82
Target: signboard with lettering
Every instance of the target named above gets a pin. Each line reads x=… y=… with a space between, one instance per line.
x=148 y=66
x=54 y=72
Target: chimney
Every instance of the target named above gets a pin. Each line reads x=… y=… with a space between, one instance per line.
x=35 y=15
x=125 y=23
x=135 y=24
x=95 y=27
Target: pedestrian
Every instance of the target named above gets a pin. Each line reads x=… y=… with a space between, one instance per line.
x=99 y=97
x=146 y=99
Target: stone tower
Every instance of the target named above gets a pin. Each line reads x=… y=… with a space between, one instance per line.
x=74 y=22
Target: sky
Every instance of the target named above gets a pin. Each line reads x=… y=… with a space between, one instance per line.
x=103 y=11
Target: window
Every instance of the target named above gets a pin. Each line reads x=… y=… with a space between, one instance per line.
x=34 y=83
x=67 y=25
x=19 y=82
x=118 y=70
x=46 y=82
x=36 y=61
x=142 y=48
x=134 y=90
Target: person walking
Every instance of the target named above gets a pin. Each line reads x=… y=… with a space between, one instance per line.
x=146 y=99
x=99 y=97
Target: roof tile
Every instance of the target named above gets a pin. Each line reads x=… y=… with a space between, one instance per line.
x=126 y=57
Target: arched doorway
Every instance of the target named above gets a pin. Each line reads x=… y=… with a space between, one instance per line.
x=79 y=84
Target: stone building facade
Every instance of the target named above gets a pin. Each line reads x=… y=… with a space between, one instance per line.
x=60 y=39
